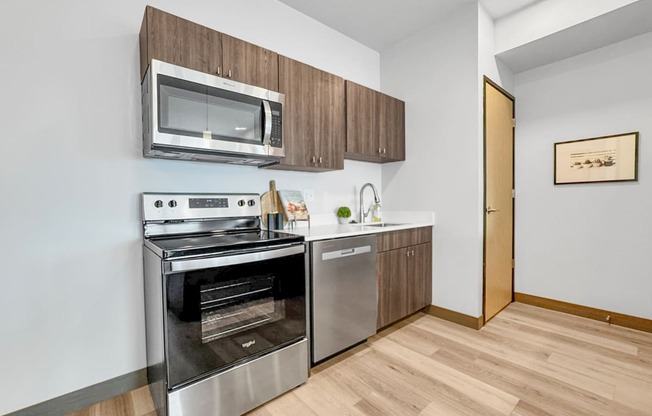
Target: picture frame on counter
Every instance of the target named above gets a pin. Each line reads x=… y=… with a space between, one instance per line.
x=598 y=159
x=294 y=206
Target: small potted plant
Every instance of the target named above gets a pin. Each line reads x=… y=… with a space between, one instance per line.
x=343 y=215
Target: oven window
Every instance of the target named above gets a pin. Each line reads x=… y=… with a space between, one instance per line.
x=220 y=317
x=232 y=307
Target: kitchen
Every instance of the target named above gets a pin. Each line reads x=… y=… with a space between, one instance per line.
x=74 y=180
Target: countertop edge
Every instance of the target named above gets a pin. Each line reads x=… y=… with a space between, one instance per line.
x=328 y=232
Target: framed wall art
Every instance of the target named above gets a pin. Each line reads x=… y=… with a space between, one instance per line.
x=598 y=159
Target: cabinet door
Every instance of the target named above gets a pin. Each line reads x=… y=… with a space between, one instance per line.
x=215 y=64
x=392 y=128
x=313 y=118
x=248 y=63
x=399 y=286
x=330 y=121
x=296 y=81
x=420 y=277
x=391 y=267
x=176 y=40
x=362 y=142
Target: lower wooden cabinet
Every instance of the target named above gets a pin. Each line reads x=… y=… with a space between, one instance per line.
x=404 y=273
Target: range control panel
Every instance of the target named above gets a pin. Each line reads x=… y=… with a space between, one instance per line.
x=173 y=206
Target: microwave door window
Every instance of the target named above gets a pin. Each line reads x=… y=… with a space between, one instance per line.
x=182 y=111
x=234 y=120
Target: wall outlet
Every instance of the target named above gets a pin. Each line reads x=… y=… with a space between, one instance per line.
x=308 y=195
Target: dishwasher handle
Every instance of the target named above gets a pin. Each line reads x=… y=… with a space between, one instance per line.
x=337 y=254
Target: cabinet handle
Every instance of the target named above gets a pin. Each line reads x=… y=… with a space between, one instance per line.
x=380 y=150
x=407 y=253
x=412 y=253
x=320 y=159
x=230 y=73
x=314 y=159
x=384 y=151
x=219 y=71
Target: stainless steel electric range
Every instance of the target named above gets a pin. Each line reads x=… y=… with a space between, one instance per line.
x=225 y=305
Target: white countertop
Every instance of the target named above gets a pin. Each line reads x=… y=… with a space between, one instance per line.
x=392 y=222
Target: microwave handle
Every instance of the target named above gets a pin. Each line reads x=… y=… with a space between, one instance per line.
x=267 y=122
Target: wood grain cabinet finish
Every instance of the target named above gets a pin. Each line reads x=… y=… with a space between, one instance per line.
x=404 y=273
x=172 y=39
x=313 y=118
x=169 y=38
x=245 y=62
x=392 y=128
x=375 y=125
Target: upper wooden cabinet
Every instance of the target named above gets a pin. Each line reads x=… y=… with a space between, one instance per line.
x=244 y=62
x=313 y=118
x=172 y=39
x=375 y=125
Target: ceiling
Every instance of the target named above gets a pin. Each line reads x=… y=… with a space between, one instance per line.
x=381 y=23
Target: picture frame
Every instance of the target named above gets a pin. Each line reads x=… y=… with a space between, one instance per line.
x=294 y=206
x=597 y=159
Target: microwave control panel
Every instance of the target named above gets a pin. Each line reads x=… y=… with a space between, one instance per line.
x=276 y=139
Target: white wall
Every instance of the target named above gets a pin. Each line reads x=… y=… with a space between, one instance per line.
x=436 y=72
x=546 y=17
x=587 y=244
x=71 y=174
x=488 y=64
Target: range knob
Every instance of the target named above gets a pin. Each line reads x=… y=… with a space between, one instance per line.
x=172 y=203
x=251 y=202
x=241 y=203
x=158 y=203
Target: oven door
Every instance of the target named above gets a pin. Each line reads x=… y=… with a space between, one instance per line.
x=224 y=310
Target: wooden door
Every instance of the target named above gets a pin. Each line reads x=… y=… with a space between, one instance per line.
x=176 y=40
x=420 y=275
x=249 y=63
x=215 y=64
x=392 y=128
x=330 y=120
x=499 y=203
x=384 y=270
x=362 y=109
x=399 y=285
x=296 y=81
x=392 y=286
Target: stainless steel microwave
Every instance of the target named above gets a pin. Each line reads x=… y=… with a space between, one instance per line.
x=191 y=115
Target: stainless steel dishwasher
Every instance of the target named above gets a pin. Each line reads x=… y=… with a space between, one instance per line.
x=344 y=297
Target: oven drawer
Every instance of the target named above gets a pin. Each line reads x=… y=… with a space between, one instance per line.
x=240 y=389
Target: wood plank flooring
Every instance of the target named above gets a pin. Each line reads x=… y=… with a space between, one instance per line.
x=526 y=361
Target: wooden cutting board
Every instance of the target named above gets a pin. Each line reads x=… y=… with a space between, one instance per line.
x=270 y=202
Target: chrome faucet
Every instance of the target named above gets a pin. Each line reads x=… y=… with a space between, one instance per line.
x=364 y=214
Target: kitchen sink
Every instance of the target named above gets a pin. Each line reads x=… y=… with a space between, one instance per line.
x=378 y=224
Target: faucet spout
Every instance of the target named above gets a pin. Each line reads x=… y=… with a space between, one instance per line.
x=363 y=213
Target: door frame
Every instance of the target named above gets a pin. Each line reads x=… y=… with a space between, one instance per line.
x=487 y=80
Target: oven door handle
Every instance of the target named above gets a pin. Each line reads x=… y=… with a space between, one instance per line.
x=178 y=266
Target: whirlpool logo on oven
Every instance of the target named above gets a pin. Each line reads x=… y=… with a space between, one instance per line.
x=249 y=343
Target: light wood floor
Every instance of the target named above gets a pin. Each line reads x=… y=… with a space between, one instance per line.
x=526 y=361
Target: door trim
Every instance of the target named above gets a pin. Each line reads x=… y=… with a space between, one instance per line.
x=487 y=80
